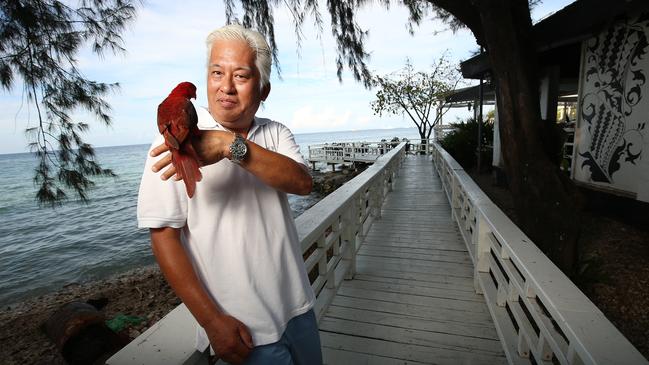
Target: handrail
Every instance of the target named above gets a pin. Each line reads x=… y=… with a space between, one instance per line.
x=340 y=221
x=330 y=232
x=340 y=152
x=538 y=312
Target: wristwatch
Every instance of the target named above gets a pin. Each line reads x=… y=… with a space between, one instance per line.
x=238 y=149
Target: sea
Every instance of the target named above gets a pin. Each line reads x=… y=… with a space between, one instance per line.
x=43 y=249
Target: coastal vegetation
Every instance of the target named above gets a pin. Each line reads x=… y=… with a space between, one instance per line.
x=462 y=143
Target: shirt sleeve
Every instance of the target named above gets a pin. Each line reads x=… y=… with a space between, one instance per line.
x=160 y=203
x=287 y=145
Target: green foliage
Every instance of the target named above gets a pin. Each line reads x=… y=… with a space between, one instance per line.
x=348 y=34
x=462 y=143
x=39 y=40
x=420 y=95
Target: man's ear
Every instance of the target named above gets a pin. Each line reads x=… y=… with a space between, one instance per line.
x=265 y=91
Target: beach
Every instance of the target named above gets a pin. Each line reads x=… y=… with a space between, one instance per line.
x=141 y=292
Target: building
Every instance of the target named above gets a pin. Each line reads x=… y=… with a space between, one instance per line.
x=593 y=58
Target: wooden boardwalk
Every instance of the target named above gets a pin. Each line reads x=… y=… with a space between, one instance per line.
x=412 y=299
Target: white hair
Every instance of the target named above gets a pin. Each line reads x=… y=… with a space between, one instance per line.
x=255 y=40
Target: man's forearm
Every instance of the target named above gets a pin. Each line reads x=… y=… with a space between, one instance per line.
x=274 y=169
x=179 y=272
x=277 y=170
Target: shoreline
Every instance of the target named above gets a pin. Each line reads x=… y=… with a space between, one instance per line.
x=140 y=291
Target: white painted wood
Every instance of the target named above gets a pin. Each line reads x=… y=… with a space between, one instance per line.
x=531 y=276
x=169 y=341
x=404 y=352
x=413 y=290
x=335 y=357
x=411 y=336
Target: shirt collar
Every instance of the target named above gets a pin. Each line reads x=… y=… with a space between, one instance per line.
x=206 y=121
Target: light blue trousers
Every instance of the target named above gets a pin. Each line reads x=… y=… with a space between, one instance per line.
x=299 y=345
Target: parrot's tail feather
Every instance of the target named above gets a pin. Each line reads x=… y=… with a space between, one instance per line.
x=188 y=148
x=187 y=167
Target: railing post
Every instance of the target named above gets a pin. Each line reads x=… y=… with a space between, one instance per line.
x=322 y=264
x=349 y=237
x=482 y=250
x=455 y=192
x=377 y=196
x=360 y=213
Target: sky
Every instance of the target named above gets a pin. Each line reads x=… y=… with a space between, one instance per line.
x=165 y=45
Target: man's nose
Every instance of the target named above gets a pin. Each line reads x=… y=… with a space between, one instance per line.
x=227 y=86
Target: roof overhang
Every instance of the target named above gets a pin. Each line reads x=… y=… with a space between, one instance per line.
x=574 y=23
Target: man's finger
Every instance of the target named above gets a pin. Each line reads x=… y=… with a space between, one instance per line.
x=162 y=163
x=168 y=173
x=157 y=150
x=245 y=336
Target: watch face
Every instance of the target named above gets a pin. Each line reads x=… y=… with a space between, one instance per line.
x=238 y=149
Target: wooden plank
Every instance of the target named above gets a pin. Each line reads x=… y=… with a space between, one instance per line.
x=454 y=304
x=420 y=311
x=411 y=336
x=460 y=266
x=407 y=352
x=463 y=286
x=334 y=357
x=409 y=322
x=423 y=251
x=409 y=288
x=431 y=258
x=440 y=268
x=450 y=245
x=388 y=272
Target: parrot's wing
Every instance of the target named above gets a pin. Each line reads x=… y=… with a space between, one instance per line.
x=170 y=140
x=192 y=117
x=165 y=121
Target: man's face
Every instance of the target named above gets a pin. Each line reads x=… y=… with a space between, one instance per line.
x=233 y=92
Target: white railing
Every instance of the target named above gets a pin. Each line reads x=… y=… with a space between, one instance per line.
x=538 y=312
x=341 y=152
x=330 y=232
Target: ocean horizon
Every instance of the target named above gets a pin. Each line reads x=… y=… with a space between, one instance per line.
x=43 y=249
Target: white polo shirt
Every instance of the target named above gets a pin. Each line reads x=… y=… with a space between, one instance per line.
x=239 y=234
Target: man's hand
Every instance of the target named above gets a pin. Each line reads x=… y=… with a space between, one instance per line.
x=211 y=147
x=229 y=338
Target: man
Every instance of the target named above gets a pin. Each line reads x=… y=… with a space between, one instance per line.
x=231 y=253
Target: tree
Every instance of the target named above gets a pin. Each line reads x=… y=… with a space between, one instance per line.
x=417 y=94
x=39 y=40
x=545 y=200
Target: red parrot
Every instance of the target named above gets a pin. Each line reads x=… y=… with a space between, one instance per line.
x=177 y=122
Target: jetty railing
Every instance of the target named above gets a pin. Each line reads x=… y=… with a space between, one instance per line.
x=330 y=232
x=341 y=152
x=538 y=312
